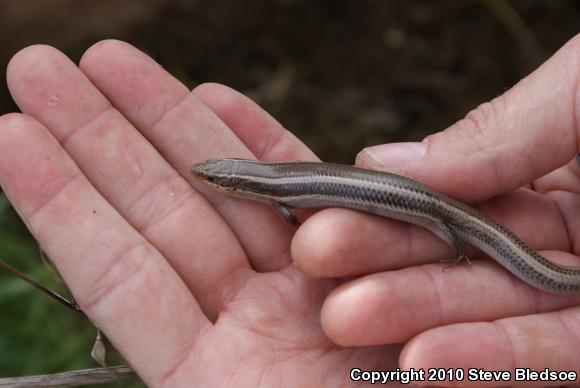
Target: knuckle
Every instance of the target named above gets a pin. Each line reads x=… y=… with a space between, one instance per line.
x=478 y=125
x=124 y=269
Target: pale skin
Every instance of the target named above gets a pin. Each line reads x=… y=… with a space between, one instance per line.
x=195 y=288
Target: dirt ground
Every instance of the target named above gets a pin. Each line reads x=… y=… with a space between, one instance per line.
x=339 y=74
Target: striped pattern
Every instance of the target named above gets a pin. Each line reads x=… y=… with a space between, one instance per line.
x=308 y=185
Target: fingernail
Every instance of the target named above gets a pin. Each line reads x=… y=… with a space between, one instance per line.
x=392 y=154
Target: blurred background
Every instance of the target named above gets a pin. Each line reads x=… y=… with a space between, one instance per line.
x=341 y=75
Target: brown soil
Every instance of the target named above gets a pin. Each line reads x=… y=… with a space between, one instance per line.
x=340 y=74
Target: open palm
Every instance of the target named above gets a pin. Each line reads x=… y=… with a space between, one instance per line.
x=191 y=292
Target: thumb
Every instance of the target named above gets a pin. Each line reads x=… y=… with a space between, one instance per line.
x=521 y=135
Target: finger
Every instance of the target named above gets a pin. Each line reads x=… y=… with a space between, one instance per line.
x=130 y=173
x=339 y=242
x=185 y=131
x=259 y=131
x=562 y=186
x=565 y=179
x=538 y=342
x=521 y=135
x=120 y=281
x=400 y=304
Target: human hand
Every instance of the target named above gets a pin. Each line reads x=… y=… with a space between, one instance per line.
x=475 y=316
x=144 y=237
x=190 y=292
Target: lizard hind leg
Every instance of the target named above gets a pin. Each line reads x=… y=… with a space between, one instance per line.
x=445 y=233
x=287 y=213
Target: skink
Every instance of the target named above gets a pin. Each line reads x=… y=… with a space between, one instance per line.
x=308 y=185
